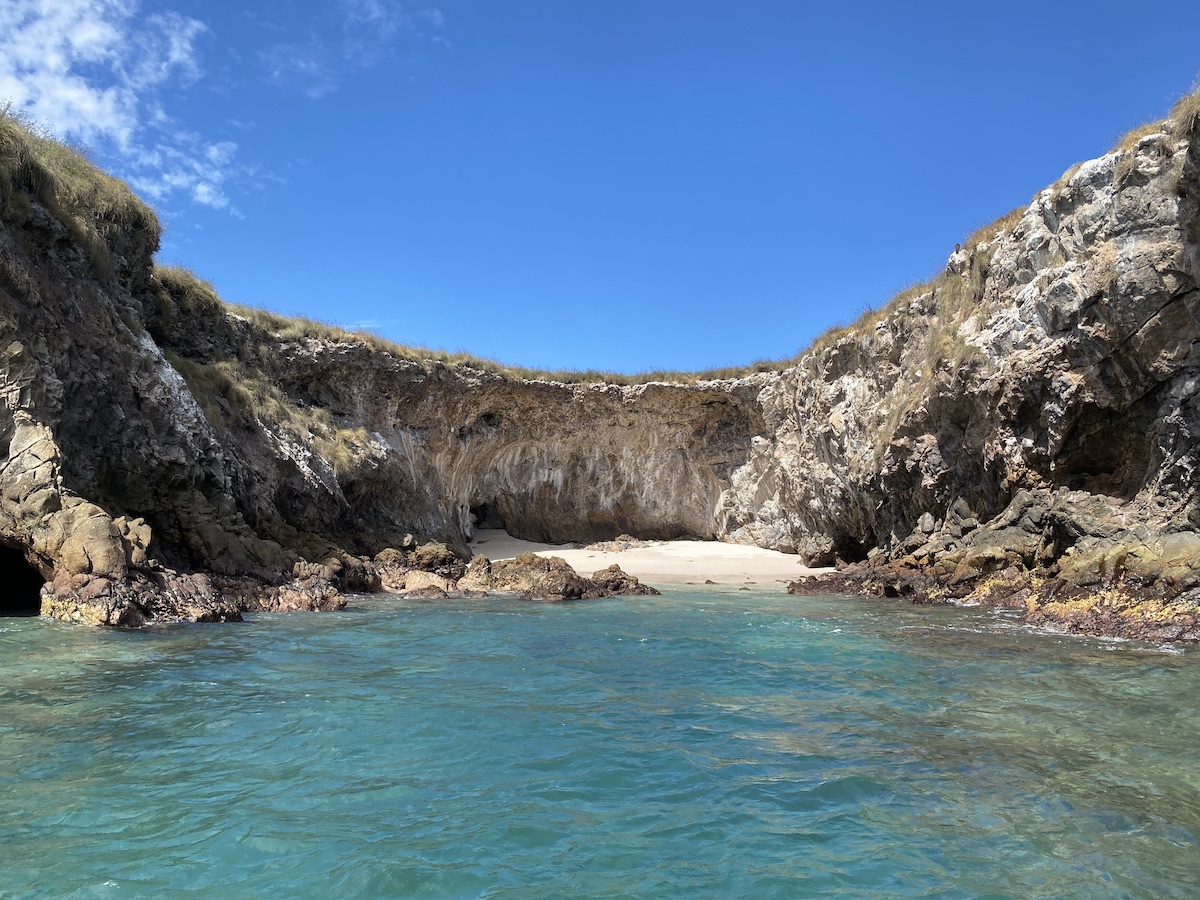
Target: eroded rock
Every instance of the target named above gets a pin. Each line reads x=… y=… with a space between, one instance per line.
x=1024 y=428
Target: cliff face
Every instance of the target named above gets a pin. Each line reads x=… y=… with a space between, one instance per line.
x=338 y=439
x=1032 y=409
x=1058 y=353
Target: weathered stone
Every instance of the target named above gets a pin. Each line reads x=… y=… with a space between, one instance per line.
x=429 y=592
x=438 y=558
x=478 y=576
x=135 y=536
x=618 y=582
x=1031 y=411
x=418 y=580
x=309 y=594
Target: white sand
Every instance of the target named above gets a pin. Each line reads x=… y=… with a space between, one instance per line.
x=663 y=562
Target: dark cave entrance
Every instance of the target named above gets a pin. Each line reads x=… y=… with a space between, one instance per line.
x=487 y=515
x=849 y=549
x=20 y=585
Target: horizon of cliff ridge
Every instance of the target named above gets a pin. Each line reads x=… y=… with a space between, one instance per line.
x=96 y=208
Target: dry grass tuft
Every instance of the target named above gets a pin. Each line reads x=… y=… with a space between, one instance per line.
x=1064 y=179
x=1130 y=139
x=1185 y=115
x=1127 y=147
x=185 y=294
x=1003 y=225
x=101 y=213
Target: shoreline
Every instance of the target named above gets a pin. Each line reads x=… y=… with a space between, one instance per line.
x=661 y=562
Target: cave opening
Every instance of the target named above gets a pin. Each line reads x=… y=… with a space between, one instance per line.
x=487 y=515
x=20 y=585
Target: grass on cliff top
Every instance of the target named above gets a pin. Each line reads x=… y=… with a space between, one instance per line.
x=186 y=288
x=954 y=296
x=96 y=208
x=91 y=203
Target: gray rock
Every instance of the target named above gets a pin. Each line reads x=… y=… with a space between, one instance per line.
x=1032 y=408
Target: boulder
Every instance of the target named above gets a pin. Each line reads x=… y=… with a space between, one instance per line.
x=616 y=581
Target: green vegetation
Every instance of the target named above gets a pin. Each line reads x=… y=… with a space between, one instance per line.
x=100 y=212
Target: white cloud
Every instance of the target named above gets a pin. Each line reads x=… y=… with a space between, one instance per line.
x=92 y=70
x=300 y=67
x=382 y=18
x=190 y=167
x=367 y=29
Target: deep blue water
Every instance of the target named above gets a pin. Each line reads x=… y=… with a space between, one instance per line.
x=713 y=744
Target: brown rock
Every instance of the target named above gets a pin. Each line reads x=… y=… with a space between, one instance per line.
x=616 y=581
x=478 y=576
x=417 y=580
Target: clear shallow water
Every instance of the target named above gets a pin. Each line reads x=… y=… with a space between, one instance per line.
x=725 y=744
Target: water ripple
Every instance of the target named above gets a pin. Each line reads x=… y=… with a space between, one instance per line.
x=710 y=744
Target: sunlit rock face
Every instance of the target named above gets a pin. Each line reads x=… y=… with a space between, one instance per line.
x=148 y=430
x=450 y=449
x=1071 y=363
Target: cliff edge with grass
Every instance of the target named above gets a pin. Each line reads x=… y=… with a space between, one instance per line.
x=1022 y=429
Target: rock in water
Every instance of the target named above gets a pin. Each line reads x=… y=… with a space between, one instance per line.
x=1024 y=426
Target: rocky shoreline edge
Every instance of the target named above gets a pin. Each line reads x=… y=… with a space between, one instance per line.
x=1021 y=429
x=1066 y=560
x=432 y=571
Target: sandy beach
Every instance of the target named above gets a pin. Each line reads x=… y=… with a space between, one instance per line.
x=662 y=562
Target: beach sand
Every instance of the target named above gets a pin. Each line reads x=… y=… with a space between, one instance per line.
x=663 y=562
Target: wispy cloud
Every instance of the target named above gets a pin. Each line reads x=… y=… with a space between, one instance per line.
x=189 y=166
x=351 y=34
x=305 y=68
x=95 y=71
x=378 y=16
x=105 y=72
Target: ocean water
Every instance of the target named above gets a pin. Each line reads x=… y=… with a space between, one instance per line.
x=714 y=743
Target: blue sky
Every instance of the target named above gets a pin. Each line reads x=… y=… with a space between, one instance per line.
x=587 y=183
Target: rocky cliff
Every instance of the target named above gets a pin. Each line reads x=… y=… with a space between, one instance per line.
x=1026 y=419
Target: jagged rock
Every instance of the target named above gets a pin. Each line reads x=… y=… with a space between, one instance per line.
x=390 y=558
x=1032 y=410
x=310 y=594
x=438 y=558
x=392 y=569
x=135 y=536
x=618 y=582
x=561 y=582
x=137 y=600
x=359 y=576
x=478 y=575
x=517 y=575
x=547 y=578
x=618 y=544
x=429 y=592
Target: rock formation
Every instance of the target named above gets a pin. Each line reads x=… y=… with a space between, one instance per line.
x=1022 y=429
x=1025 y=430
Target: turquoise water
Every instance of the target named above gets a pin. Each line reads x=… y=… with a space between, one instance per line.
x=698 y=744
